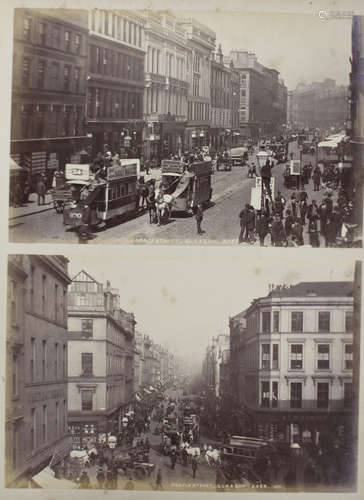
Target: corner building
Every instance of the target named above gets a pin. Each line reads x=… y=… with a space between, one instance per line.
x=101 y=360
x=295 y=364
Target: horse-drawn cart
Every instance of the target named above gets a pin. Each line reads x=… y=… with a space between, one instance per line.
x=128 y=464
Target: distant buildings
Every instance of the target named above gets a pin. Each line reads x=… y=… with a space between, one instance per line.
x=224 y=102
x=263 y=96
x=320 y=104
x=100 y=360
x=217 y=353
x=36 y=364
x=292 y=362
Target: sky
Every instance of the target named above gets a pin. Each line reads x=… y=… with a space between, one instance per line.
x=184 y=302
x=299 y=45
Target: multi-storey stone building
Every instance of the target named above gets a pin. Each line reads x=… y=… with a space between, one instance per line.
x=100 y=362
x=356 y=122
x=263 y=98
x=295 y=362
x=116 y=52
x=48 y=88
x=36 y=411
x=201 y=43
x=166 y=85
x=322 y=104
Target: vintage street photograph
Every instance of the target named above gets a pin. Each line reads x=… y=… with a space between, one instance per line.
x=134 y=126
x=239 y=380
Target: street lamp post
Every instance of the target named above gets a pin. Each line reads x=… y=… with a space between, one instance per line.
x=262 y=158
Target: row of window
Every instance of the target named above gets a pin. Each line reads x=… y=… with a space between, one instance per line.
x=115 y=364
x=270 y=357
x=114 y=63
x=220 y=97
x=174 y=102
x=48 y=35
x=48 y=361
x=269 y=397
x=47 y=121
x=175 y=65
x=121 y=189
x=103 y=103
x=220 y=118
x=89 y=300
x=40 y=423
x=198 y=111
x=39 y=282
x=271 y=323
x=110 y=24
x=51 y=75
x=220 y=78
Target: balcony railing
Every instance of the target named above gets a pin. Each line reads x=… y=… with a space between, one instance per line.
x=154 y=78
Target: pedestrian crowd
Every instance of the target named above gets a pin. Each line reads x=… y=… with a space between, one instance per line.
x=286 y=219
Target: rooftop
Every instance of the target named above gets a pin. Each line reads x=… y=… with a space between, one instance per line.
x=315 y=288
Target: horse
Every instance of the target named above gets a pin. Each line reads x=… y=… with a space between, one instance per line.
x=163 y=204
x=82 y=456
x=192 y=451
x=212 y=457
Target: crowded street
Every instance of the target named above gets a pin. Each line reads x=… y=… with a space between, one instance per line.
x=231 y=191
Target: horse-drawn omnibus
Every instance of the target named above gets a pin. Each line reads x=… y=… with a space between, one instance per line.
x=243 y=449
x=95 y=200
x=189 y=185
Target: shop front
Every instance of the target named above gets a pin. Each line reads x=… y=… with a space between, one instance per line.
x=86 y=431
x=312 y=427
x=172 y=138
x=197 y=137
x=124 y=138
x=45 y=155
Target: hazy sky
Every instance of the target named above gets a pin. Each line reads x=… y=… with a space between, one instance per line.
x=297 y=45
x=182 y=303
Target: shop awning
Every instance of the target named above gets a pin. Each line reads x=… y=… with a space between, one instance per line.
x=45 y=479
x=332 y=141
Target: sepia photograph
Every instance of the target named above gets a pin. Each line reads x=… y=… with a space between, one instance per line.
x=171 y=126
x=241 y=379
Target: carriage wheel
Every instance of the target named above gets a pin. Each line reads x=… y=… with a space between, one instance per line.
x=139 y=473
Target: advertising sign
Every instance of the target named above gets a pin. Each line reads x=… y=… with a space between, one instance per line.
x=119 y=171
x=295 y=167
x=77 y=172
x=128 y=161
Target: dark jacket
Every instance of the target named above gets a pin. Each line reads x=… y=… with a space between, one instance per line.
x=288 y=224
x=277 y=232
x=262 y=225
